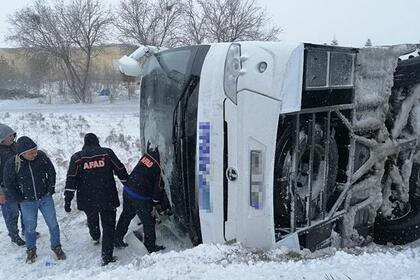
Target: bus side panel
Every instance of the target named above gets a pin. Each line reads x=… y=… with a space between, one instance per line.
x=209 y=166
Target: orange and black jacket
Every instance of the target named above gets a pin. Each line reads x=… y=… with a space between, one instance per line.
x=91 y=176
x=145 y=181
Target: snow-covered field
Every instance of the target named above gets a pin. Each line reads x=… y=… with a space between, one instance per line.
x=59 y=130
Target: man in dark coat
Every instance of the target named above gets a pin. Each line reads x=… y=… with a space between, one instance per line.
x=9 y=207
x=142 y=192
x=29 y=177
x=91 y=174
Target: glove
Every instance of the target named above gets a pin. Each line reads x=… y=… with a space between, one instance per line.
x=163 y=211
x=67 y=207
x=167 y=212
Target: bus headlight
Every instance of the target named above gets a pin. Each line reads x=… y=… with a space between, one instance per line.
x=257 y=180
x=232 y=71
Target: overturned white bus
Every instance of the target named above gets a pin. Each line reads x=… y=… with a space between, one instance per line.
x=270 y=144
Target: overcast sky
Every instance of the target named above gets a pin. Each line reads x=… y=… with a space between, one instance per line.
x=352 y=22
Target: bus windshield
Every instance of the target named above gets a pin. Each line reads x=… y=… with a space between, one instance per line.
x=161 y=88
x=168 y=119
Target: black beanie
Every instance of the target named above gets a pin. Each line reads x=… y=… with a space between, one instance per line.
x=153 y=152
x=91 y=140
x=24 y=144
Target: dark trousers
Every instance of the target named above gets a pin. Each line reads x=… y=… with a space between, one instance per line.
x=143 y=209
x=10 y=210
x=108 y=218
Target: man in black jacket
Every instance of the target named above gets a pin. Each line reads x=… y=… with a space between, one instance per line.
x=29 y=177
x=9 y=207
x=91 y=174
x=142 y=192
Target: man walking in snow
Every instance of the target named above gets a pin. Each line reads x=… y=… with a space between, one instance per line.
x=9 y=207
x=29 y=177
x=91 y=175
x=142 y=193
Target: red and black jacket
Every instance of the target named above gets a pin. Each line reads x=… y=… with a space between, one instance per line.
x=91 y=175
x=145 y=181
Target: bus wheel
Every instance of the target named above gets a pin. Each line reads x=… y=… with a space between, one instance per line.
x=404 y=227
x=400 y=230
x=283 y=170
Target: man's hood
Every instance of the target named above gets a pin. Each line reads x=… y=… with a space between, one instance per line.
x=5 y=131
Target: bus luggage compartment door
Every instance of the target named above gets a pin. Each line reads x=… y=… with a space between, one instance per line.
x=251 y=140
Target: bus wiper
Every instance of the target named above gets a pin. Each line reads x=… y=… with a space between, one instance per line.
x=192 y=85
x=192 y=81
x=175 y=124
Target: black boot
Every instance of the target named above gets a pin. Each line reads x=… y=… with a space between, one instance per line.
x=107 y=260
x=31 y=255
x=58 y=251
x=18 y=241
x=156 y=248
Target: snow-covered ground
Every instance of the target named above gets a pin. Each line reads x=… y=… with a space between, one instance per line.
x=59 y=130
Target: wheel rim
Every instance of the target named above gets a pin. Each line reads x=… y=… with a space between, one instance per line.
x=399 y=212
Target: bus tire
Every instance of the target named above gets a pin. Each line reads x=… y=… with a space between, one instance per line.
x=405 y=229
x=400 y=231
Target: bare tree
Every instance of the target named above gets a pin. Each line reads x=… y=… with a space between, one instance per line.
x=194 y=24
x=10 y=77
x=39 y=67
x=65 y=31
x=169 y=23
x=236 y=20
x=88 y=23
x=149 y=22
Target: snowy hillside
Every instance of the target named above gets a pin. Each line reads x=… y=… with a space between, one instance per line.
x=59 y=130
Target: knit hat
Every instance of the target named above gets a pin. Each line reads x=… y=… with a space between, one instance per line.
x=91 y=140
x=5 y=131
x=24 y=144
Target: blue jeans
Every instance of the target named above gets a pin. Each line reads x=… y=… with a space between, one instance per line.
x=10 y=210
x=30 y=216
